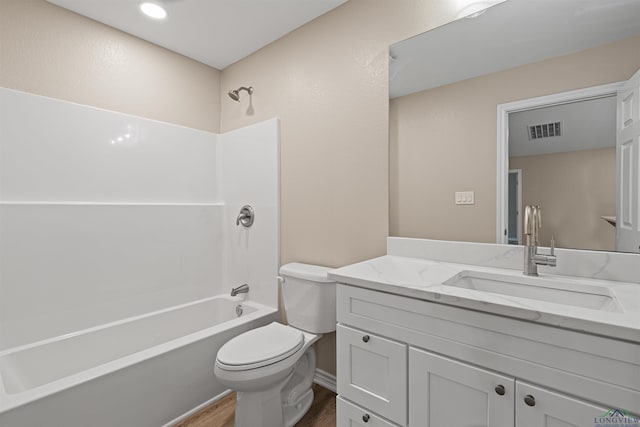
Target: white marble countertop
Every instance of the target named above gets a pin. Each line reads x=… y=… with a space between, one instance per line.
x=423 y=279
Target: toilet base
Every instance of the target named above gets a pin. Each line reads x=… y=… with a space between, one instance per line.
x=260 y=409
x=266 y=409
x=294 y=413
x=283 y=404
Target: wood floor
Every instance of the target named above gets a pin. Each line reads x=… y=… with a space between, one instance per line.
x=221 y=414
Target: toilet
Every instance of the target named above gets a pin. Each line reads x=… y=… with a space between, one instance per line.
x=272 y=368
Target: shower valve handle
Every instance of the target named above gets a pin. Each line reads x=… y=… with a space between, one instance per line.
x=246 y=216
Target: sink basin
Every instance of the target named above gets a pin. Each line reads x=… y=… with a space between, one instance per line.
x=569 y=293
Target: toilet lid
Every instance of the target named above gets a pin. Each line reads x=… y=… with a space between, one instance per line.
x=260 y=347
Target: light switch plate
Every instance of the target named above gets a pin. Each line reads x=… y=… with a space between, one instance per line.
x=465 y=198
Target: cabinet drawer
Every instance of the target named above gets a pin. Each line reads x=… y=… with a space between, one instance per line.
x=372 y=372
x=350 y=415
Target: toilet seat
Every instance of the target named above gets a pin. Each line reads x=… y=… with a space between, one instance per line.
x=260 y=347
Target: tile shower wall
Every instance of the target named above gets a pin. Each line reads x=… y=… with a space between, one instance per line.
x=105 y=215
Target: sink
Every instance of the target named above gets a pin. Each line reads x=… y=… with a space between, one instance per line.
x=571 y=293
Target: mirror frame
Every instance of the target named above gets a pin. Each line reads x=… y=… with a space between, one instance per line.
x=503 y=111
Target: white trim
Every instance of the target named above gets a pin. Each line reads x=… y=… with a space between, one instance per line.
x=279 y=295
x=326 y=380
x=198 y=408
x=518 y=173
x=502 y=165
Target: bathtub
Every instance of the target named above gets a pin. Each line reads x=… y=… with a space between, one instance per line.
x=149 y=370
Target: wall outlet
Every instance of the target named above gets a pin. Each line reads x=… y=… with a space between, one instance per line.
x=465 y=198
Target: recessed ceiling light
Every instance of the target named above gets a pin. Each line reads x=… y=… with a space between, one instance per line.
x=153 y=10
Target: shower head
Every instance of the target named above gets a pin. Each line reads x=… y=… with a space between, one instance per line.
x=235 y=94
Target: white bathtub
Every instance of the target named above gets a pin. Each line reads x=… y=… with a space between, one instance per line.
x=148 y=370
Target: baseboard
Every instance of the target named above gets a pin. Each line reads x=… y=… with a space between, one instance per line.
x=197 y=408
x=326 y=380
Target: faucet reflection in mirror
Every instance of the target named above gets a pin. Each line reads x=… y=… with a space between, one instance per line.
x=532 y=225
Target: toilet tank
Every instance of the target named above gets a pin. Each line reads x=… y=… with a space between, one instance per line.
x=309 y=297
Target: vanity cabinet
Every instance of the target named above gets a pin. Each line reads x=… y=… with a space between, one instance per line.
x=351 y=415
x=445 y=392
x=407 y=362
x=538 y=407
x=485 y=398
x=373 y=372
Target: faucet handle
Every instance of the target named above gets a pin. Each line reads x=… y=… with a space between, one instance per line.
x=553 y=246
x=246 y=216
x=527 y=220
x=539 y=214
x=537 y=224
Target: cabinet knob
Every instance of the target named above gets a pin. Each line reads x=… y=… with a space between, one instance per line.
x=530 y=400
x=365 y=338
x=365 y=418
x=500 y=389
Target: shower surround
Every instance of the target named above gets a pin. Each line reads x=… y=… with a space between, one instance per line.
x=108 y=219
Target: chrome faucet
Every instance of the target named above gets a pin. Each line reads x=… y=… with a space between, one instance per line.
x=243 y=289
x=532 y=225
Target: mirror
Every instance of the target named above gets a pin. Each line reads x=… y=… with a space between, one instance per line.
x=459 y=89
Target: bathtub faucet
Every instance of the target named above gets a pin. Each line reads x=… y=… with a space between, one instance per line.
x=243 y=289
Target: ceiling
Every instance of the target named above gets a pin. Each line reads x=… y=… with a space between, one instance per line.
x=215 y=32
x=507 y=35
x=586 y=125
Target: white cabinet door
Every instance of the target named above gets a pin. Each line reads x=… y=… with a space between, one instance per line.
x=447 y=393
x=539 y=407
x=350 y=415
x=372 y=372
